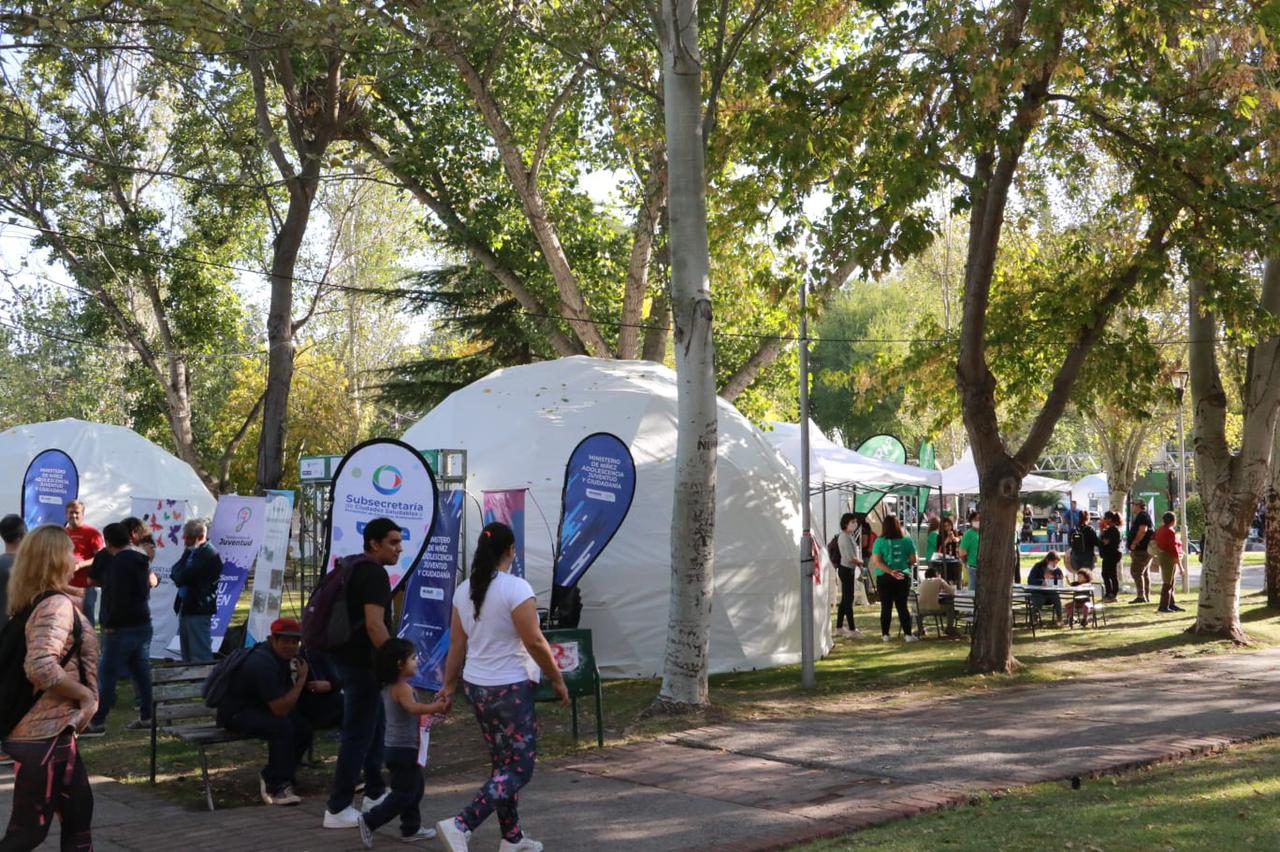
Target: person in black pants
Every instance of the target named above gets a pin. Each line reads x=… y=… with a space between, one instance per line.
x=892 y=556
x=1109 y=547
x=850 y=562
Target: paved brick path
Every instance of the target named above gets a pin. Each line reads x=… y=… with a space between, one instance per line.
x=763 y=785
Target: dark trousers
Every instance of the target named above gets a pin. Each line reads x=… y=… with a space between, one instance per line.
x=407 y=786
x=1042 y=599
x=845 y=610
x=288 y=738
x=894 y=593
x=1111 y=577
x=49 y=777
x=360 y=749
x=124 y=650
x=510 y=729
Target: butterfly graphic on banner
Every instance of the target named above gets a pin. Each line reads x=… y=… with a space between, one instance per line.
x=165 y=522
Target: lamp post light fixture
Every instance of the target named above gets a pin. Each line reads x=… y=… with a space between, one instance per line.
x=1180 y=378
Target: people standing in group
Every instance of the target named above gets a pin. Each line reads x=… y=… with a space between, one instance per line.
x=495 y=634
x=368 y=602
x=891 y=558
x=1169 y=554
x=967 y=549
x=264 y=700
x=1082 y=543
x=196 y=574
x=1109 y=548
x=395 y=663
x=127 y=581
x=87 y=541
x=12 y=531
x=1139 y=539
x=60 y=661
x=850 y=564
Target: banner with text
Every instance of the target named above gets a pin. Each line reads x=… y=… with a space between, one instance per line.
x=428 y=594
x=236 y=533
x=50 y=483
x=164 y=518
x=268 y=574
x=599 y=484
x=508 y=507
x=382 y=478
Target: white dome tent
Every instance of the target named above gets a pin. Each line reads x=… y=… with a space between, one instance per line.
x=519 y=426
x=1092 y=493
x=115 y=465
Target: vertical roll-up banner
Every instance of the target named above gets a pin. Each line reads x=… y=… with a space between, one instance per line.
x=268 y=574
x=599 y=485
x=50 y=483
x=428 y=594
x=508 y=507
x=165 y=519
x=236 y=533
x=382 y=478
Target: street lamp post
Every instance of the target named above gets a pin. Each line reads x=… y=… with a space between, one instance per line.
x=806 y=536
x=1180 y=384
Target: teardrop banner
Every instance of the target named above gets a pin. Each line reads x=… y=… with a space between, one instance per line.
x=599 y=485
x=50 y=483
x=382 y=478
x=884 y=448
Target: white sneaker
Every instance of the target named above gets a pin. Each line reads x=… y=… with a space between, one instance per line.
x=884 y=637
x=911 y=637
x=844 y=631
x=348 y=817
x=369 y=804
x=454 y=838
x=424 y=833
x=526 y=844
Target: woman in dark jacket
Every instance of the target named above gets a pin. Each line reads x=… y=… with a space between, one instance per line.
x=1109 y=546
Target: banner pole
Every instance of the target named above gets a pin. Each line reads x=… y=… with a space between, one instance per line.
x=807 y=680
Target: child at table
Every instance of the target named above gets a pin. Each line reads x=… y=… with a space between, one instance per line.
x=1084 y=577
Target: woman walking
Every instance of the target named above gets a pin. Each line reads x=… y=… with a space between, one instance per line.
x=495 y=633
x=61 y=663
x=850 y=562
x=892 y=556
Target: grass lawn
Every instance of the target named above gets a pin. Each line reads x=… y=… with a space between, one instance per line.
x=1224 y=801
x=857 y=673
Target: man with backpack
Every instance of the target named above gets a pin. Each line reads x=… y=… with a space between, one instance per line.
x=1083 y=542
x=261 y=696
x=346 y=618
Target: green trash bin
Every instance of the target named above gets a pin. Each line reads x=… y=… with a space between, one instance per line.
x=572 y=650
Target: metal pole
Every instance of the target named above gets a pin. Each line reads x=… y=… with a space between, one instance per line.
x=1182 y=498
x=806 y=536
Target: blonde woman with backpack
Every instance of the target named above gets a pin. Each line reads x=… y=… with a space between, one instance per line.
x=59 y=654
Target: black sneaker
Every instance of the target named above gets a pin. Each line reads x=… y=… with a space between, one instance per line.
x=1175 y=608
x=1164 y=609
x=94 y=731
x=138 y=725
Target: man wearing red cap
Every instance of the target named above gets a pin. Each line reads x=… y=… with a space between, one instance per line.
x=262 y=701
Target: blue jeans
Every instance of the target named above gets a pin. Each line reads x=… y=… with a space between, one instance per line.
x=91 y=605
x=363 y=726
x=194 y=638
x=124 y=650
x=407 y=786
x=973 y=578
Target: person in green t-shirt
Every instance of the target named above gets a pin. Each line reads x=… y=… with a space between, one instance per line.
x=968 y=549
x=892 y=556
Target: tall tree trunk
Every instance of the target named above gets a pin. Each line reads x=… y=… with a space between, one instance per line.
x=684 y=675
x=1230 y=483
x=998 y=489
x=646 y=228
x=1273 y=534
x=658 y=332
x=280 y=341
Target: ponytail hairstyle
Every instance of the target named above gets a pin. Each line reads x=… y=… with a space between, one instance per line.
x=495 y=540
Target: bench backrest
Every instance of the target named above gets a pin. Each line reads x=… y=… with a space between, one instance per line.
x=175 y=691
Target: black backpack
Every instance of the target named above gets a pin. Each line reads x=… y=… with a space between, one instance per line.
x=833 y=550
x=1077 y=540
x=326 y=622
x=218 y=682
x=17 y=694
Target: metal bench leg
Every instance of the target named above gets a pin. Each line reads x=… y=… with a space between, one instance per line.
x=573 y=708
x=153 y=744
x=204 y=772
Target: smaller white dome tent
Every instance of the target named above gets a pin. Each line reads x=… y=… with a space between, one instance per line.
x=115 y=465
x=1091 y=493
x=519 y=426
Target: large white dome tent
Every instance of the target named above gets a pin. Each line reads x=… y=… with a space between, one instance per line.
x=115 y=465
x=519 y=425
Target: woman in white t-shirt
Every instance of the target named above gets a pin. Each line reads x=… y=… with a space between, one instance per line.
x=495 y=633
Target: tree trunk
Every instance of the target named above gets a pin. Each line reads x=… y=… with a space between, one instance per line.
x=992 y=646
x=684 y=676
x=646 y=227
x=1226 y=528
x=659 y=329
x=281 y=348
x=1273 y=534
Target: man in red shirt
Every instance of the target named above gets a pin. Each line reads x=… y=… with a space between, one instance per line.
x=87 y=541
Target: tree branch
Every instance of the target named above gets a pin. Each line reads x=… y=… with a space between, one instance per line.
x=224 y=463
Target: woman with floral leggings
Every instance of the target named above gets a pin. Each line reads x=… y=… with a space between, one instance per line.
x=495 y=633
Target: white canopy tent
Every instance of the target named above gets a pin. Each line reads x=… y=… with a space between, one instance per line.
x=833 y=464
x=962 y=478
x=519 y=426
x=115 y=465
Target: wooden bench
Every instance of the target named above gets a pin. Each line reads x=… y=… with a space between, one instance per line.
x=178 y=710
